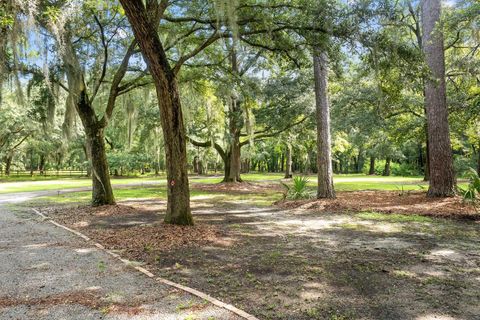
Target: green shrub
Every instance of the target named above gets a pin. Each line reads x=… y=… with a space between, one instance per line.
x=472 y=192
x=463 y=165
x=299 y=189
x=397 y=169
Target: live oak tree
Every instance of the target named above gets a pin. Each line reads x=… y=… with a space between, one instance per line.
x=82 y=94
x=164 y=77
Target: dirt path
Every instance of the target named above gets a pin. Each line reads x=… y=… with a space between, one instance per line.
x=47 y=273
x=304 y=265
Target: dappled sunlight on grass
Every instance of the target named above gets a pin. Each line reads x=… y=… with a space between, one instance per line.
x=435 y=316
x=392 y=217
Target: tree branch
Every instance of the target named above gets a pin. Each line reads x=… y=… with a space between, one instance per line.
x=273 y=134
x=208 y=144
x=105 y=59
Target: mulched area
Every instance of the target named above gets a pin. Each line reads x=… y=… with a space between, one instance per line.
x=134 y=229
x=389 y=202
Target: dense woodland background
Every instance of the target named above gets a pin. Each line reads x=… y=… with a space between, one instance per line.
x=73 y=79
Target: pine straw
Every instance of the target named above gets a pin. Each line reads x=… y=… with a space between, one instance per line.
x=87 y=298
x=389 y=202
x=162 y=237
x=141 y=235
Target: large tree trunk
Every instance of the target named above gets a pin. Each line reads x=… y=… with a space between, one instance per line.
x=235 y=125
x=288 y=170
x=386 y=170
x=233 y=168
x=371 y=171
x=178 y=204
x=324 y=153
x=8 y=164
x=442 y=177
x=195 y=164
x=41 y=166
x=102 y=193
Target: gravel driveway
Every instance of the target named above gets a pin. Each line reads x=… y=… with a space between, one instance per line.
x=48 y=273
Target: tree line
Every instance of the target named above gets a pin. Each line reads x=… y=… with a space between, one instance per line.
x=313 y=86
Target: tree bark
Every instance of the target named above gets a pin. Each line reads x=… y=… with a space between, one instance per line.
x=195 y=164
x=178 y=204
x=324 y=153
x=288 y=170
x=41 y=166
x=201 y=168
x=235 y=125
x=386 y=170
x=426 y=173
x=442 y=177
x=8 y=164
x=371 y=171
x=102 y=192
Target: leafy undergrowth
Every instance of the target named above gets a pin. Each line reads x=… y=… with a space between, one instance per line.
x=297 y=264
x=389 y=202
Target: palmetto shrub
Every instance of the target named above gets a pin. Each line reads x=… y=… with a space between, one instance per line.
x=298 y=190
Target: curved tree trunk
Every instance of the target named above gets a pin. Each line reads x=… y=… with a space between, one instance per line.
x=102 y=193
x=178 y=204
x=442 y=177
x=324 y=153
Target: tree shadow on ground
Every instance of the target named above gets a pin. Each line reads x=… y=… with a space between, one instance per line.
x=294 y=264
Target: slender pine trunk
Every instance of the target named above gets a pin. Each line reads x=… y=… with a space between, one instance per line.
x=288 y=170
x=442 y=177
x=324 y=154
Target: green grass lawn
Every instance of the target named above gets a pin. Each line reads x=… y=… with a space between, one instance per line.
x=350 y=182
x=159 y=192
